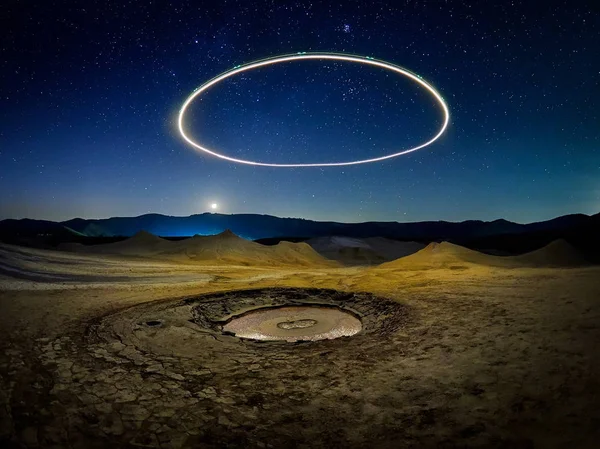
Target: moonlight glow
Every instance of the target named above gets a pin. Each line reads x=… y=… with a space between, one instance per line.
x=330 y=56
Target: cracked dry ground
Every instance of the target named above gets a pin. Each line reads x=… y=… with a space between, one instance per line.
x=479 y=358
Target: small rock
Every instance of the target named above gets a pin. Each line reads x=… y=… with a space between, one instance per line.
x=175 y=376
x=224 y=421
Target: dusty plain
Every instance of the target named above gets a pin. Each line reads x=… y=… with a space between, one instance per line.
x=479 y=355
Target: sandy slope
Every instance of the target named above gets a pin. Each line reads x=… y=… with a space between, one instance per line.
x=224 y=248
x=449 y=256
x=368 y=251
x=228 y=248
x=556 y=254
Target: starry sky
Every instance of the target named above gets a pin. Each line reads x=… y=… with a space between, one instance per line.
x=90 y=91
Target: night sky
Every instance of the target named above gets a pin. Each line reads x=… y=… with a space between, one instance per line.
x=89 y=95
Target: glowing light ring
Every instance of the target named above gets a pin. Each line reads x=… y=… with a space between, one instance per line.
x=303 y=55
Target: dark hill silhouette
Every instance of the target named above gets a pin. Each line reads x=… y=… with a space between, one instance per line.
x=255 y=226
x=498 y=236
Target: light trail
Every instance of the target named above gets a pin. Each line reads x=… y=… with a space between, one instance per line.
x=321 y=56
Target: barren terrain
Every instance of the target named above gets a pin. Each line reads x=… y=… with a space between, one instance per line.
x=455 y=352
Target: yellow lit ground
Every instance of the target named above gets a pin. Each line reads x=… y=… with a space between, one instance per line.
x=487 y=356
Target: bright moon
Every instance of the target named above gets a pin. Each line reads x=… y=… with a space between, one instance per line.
x=214 y=206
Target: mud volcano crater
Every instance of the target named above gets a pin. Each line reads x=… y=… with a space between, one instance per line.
x=174 y=365
x=269 y=332
x=269 y=319
x=296 y=315
x=294 y=323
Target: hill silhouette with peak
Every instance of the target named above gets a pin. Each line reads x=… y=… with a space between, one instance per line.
x=365 y=251
x=497 y=237
x=223 y=248
x=447 y=255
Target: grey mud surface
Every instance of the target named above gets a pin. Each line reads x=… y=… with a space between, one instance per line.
x=294 y=323
x=163 y=374
x=479 y=360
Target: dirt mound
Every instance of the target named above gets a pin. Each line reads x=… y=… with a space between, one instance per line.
x=224 y=248
x=299 y=254
x=443 y=255
x=368 y=251
x=447 y=255
x=334 y=243
x=229 y=248
x=393 y=249
x=226 y=234
x=141 y=244
x=558 y=253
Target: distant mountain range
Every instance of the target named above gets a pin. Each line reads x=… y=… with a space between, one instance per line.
x=580 y=230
